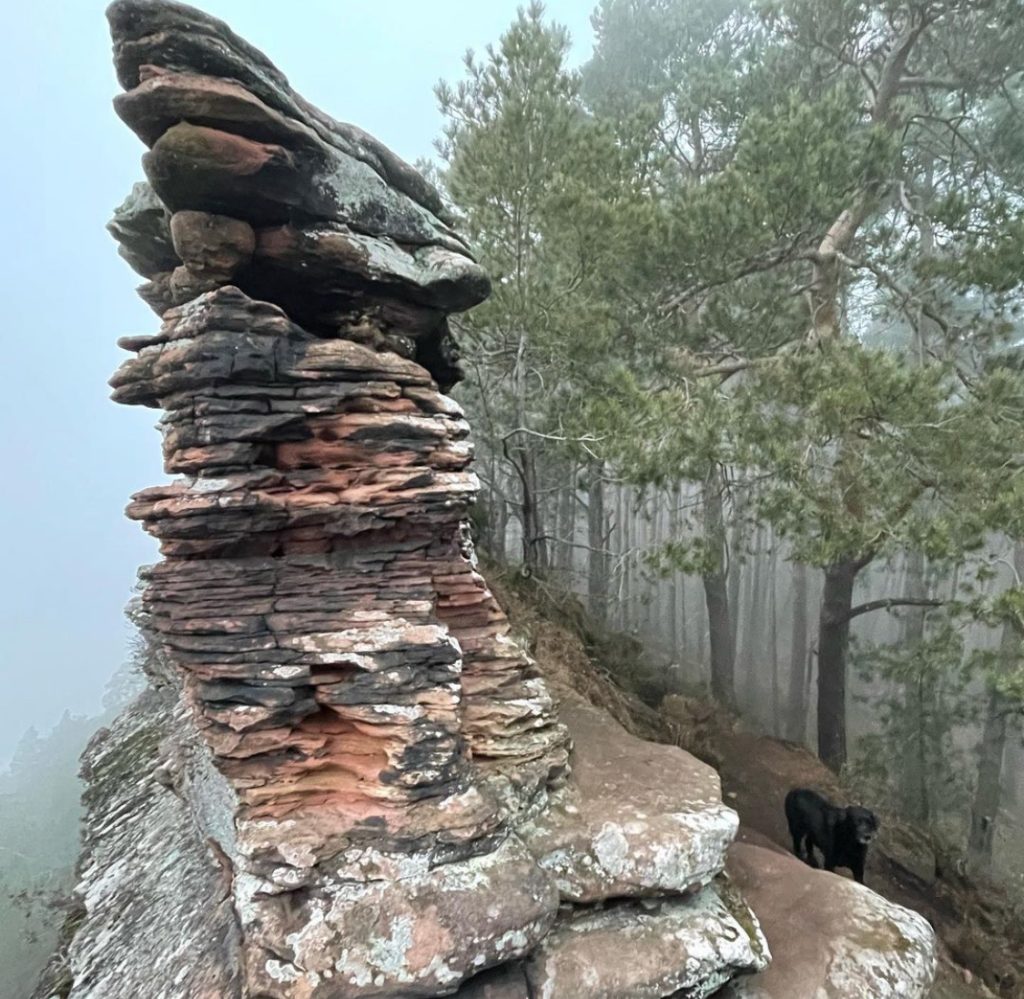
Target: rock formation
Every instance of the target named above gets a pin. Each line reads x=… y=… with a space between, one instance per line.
x=347 y=780
x=829 y=936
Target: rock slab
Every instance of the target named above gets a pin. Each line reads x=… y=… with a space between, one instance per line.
x=636 y=819
x=830 y=937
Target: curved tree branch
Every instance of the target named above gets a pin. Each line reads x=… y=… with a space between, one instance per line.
x=889 y=602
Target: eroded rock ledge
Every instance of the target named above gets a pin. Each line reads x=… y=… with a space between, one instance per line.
x=349 y=780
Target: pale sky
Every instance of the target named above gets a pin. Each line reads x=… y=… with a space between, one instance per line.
x=70 y=457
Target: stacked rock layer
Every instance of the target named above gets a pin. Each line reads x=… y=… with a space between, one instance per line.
x=364 y=772
x=345 y=661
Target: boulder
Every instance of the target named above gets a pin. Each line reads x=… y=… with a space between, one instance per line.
x=828 y=935
x=418 y=935
x=631 y=950
x=636 y=819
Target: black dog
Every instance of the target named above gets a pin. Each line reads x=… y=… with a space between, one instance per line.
x=842 y=834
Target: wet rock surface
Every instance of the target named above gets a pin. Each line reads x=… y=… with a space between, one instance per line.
x=348 y=781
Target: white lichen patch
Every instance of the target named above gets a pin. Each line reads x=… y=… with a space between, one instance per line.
x=611 y=847
x=890 y=953
x=281 y=972
x=388 y=953
x=691 y=947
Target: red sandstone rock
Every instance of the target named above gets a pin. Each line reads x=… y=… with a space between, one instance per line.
x=636 y=819
x=318 y=594
x=213 y=246
x=829 y=936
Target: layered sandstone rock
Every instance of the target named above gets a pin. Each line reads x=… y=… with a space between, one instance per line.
x=349 y=780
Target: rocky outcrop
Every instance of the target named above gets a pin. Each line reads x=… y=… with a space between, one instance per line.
x=156 y=890
x=349 y=781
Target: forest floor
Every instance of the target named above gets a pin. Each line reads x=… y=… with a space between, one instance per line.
x=980 y=931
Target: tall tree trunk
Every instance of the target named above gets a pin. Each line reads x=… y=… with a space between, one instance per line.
x=597 y=542
x=796 y=706
x=498 y=526
x=672 y=499
x=734 y=562
x=773 y=630
x=621 y=596
x=522 y=455
x=567 y=525
x=833 y=645
x=921 y=698
x=625 y=517
x=913 y=773
x=716 y=596
x=535 y=546
x=495 y=507
x=752 y=676
x=988 y=788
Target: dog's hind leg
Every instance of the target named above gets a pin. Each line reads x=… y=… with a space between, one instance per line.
x=796 y=844
x=809 y=848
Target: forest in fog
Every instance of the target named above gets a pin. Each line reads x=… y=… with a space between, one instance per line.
x=750 y=379
x=40 y=810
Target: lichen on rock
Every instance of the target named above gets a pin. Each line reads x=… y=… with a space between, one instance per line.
x=829 y=936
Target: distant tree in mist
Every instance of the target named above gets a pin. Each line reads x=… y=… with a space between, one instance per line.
x=40 y=811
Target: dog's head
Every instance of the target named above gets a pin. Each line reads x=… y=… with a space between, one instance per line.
x=864 y=823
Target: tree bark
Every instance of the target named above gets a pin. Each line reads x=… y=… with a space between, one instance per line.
x=796 y=702
x=535 y=546
x=567 y=526
x=914 y=771
x=752 y=679
x=597 y=543
x=672 y=499
x=716 y=596
x=988 y=788
x=773 y=628
x=621 y=572
x=498 y=526
x=833 y=644
x=735 y=546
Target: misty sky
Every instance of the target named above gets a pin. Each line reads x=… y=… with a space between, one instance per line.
x=70 y=457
